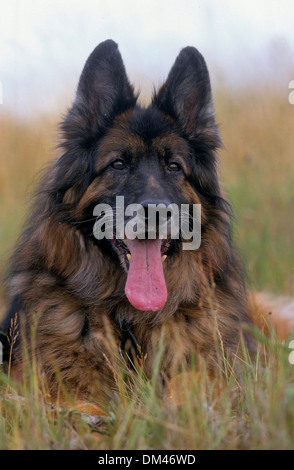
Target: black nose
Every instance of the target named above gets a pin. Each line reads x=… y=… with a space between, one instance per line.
x=152 y=205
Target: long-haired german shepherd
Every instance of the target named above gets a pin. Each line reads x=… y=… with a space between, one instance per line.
x=78 y=286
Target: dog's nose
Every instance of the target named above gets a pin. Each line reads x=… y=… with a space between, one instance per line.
x=150 y=205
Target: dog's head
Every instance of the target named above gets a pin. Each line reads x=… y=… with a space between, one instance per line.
x=118 y=155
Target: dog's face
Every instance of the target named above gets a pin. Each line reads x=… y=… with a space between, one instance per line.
x=119 y=153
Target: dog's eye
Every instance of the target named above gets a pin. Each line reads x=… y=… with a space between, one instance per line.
x=118 y=165
x=173 y=166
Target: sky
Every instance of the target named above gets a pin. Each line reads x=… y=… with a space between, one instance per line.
x=45 y=43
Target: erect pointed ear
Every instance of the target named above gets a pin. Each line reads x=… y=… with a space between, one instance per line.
x=103 y=92
x=186 y=97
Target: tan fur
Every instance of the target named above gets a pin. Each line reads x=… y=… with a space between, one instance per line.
x=269 y=311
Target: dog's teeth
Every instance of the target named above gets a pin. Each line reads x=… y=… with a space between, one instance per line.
x=129 y=257
x=163 y=258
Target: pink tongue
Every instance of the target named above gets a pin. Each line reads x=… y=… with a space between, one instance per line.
x=145 y=287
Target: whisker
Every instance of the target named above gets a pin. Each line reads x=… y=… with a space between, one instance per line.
x=78 y=222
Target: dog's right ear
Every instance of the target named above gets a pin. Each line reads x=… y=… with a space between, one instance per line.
x=186 y=97
x=103 y=92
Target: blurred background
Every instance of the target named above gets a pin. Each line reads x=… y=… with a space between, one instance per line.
x=249 y=49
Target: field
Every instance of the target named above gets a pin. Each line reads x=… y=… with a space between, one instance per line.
x=257 y=170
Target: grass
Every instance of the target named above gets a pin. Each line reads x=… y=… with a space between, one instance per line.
x=257 y=166
x=260 y=415
x=257 y=169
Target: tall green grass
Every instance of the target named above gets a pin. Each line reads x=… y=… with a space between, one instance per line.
x=254 y=410
x=257 y=166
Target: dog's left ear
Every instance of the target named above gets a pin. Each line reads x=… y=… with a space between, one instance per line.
x=103 y=92
x=186 y=97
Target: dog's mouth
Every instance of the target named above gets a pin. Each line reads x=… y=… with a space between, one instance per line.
x=145 y=287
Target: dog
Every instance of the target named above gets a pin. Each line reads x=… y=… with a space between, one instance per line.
x=76 y=288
